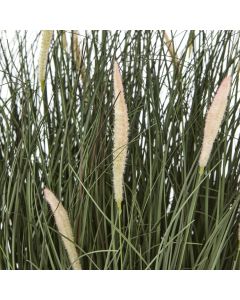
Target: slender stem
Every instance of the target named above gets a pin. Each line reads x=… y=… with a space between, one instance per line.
x=236 y=265
x=120 y=237
x=190 y=214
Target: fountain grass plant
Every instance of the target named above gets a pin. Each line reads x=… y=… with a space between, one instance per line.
x=172 y=218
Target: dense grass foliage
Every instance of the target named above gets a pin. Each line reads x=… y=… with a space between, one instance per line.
x=63 y=139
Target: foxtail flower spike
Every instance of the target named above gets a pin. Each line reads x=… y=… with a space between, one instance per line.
x=213 y=121
x=120 y=139
x=45 y=44
x=64 y=227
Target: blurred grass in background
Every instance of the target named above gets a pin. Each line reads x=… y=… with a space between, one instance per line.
x=63 y=139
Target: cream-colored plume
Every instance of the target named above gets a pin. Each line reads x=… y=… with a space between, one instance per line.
x=77 y=55
x=213 y=120
x=120 y=138
x=64 y=227
x=45 y=44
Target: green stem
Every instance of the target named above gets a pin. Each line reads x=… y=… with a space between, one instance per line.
x=190 y=214
x=120 y=239
x=236 y=265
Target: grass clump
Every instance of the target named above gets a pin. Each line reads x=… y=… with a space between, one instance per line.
x=172 y=218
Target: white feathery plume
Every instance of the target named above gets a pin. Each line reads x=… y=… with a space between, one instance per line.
x=64 y=227
x=120 y=139
x=213 y=121
x=45 y=44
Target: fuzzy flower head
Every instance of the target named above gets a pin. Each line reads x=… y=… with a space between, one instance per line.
x=64 y=227
x=45 y=44
x=213 y=120
x=120 y=139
